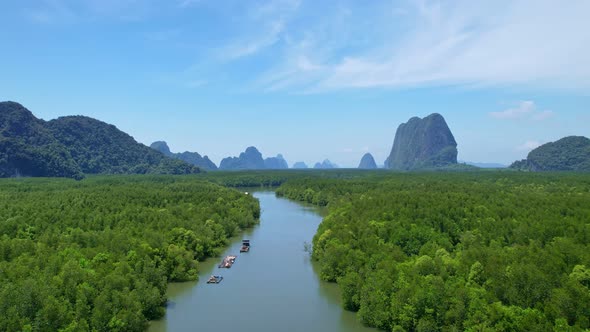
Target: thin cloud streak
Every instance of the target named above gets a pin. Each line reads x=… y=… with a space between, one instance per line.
x=188 y=3
x=529 y=145
x=525 y=110
x=544 y=115
x=269 y=21
x=76 y=11
x=254 y=45
x=524 y=43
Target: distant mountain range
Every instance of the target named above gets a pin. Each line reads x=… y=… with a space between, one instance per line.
x=192 y=158
x=300 y=165
x=277 y=162
x=72 y=146
x=252 y=159
x=326 y=164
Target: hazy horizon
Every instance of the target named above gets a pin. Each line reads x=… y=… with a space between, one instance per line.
x=309 y=80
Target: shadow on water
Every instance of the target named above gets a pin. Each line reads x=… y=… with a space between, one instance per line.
x=274 y=287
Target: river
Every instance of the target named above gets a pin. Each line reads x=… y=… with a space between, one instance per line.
x=274 y=287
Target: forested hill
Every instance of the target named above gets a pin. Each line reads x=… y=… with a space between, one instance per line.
x=28 y=148
x=73 y=145
x=567 y=154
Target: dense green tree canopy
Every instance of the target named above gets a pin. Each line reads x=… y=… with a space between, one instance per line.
x=96 y=255
x=477 y=251
x=456 y=251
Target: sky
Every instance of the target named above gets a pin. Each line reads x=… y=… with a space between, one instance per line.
x=305 y=78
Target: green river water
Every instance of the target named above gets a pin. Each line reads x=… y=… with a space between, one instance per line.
x=274 y=287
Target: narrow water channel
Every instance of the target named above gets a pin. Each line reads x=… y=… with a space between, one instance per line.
x=274 y=287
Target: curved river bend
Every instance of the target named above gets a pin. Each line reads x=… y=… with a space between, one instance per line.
x=274 y=287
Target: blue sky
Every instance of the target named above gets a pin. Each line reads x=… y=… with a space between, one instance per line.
x=308 y=79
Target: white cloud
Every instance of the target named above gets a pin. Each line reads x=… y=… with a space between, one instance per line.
x=362 y=149
x=164 y=35
x=269 y=20
x=532 y=43
x=51 y=11
x=188 y=3
x=39 y=16
x=196 y=84
x=525 y=110
x=529 y=145
x=75 y=11
x=275 y=8
x=254 y=45
x=543 y=115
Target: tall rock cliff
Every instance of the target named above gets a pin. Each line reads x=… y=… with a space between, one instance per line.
x=368 y=162
x=277 y=162
x=249 y=159
x=162 y=147
x=192 y=158
x=326 y=164
x=423 y=143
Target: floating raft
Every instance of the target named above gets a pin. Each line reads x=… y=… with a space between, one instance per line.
x=228 y=261
x=214 y=279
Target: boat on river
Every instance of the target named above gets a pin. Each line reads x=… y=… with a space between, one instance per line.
x=245 y=246
x=214 y=279
x=228 y=261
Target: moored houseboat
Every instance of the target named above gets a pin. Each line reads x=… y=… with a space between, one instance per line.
x=228 y=261
x=245 y=246
x=214 y=279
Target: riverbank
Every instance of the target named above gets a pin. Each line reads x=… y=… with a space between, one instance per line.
x=273 y=287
